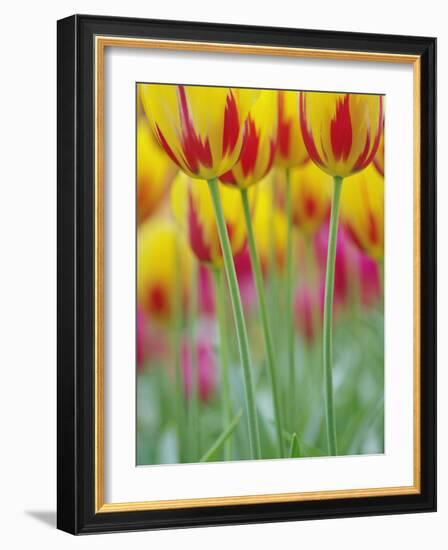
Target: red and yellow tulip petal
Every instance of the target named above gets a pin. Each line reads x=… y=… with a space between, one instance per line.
x=259 y=143
x=200 y=128
x=291 y=150
x=362 y=210
x=341 y=131
x=378 y=161
x=311 y=197
x=155 y=171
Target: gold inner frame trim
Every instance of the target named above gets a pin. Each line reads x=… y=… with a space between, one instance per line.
x=101 y=42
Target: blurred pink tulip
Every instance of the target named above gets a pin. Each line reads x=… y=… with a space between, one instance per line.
x=308 y=312
x=346 y=256
x=206 y=370
x=370 y=284
x=352 y=265
x=245 y=278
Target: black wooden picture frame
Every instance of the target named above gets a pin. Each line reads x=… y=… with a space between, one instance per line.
x=76 y=475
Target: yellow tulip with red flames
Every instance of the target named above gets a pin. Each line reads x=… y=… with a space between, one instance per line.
x=341 y=131
x=310 y=189
x=200 y=128
x=291 y=150
x=155 y=171
x=193 y=209
x=378 y=161
x=270 y=227
x=163 y=269
x=259 y=143
x=362 y=210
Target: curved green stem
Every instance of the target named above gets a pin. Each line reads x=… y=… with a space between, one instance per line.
x=289 y=307
x=259 y=284
x=328 y=319
x=224 y=359
x=240 y=324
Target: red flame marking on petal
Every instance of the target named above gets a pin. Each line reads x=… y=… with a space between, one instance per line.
x=307 y=135
x=165 y=145
x=283 y=129
x=363 y=157
x=231 y=125
x=195 y=151
x=341 y=130
x=198 y=244
x=378 y=167
x=228 y=178
x=249 y=152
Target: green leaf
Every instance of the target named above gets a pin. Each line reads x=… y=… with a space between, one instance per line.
x=306 y=449
x=211 y=453
x=294 y=449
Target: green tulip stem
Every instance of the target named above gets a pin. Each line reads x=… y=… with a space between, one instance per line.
x=240 y=324
x=194 y=404
x=220 y=299
x=292 y=406
x=328 y=319
x=259 y=284
x=177 y=321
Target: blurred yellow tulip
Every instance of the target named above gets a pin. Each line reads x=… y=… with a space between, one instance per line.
x=193 y=209
x=200 y=128
x=341 y=131
x=155 y=171
x=259 y=143
x=164 y=262
x=362 y=210
x=291 y=150
x=310 y=196
x=270 y=227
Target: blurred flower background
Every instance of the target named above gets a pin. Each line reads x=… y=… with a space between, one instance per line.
x=242 y=195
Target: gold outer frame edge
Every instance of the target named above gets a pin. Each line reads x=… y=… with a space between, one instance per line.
x=101 y=42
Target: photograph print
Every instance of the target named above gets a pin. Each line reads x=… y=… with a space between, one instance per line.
x=260 y=274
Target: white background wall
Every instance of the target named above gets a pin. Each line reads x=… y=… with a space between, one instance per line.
x=28 y=272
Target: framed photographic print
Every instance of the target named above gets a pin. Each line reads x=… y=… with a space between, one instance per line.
x=246 y=274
